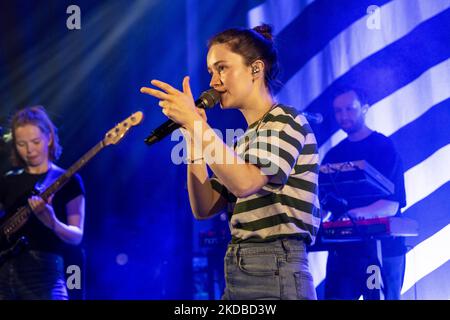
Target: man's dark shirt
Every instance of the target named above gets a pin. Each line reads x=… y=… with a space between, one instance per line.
x=379 y=152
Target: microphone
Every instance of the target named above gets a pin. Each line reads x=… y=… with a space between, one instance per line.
x=313 y=117
x=207 y=100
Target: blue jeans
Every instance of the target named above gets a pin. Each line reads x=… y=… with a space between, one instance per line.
x=33 y=275
x=275 y=270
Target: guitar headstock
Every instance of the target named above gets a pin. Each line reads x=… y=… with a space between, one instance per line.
x=116 y=134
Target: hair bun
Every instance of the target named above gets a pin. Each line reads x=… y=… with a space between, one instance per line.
x=265 y=30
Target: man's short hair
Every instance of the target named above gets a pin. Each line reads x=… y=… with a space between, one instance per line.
x=360 y=94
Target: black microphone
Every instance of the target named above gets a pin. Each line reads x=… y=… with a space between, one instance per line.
x=207 y=100
x=313 y=117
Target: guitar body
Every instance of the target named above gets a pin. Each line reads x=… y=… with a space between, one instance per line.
x=13 y=247
x=17 y=223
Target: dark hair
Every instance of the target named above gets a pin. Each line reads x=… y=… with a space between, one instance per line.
x=360 y=94
x=36 y=116
x=253 y=44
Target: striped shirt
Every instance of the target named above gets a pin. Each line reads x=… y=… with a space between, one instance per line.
x=284 y=147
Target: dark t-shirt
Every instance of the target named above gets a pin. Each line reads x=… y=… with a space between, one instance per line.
x=380 y=153
x=15 y=189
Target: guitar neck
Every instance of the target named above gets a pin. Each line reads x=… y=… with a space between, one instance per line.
x=65 y=177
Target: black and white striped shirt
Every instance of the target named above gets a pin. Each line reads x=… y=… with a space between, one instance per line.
x=284 y=147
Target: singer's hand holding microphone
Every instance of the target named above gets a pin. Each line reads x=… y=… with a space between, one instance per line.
x=176 y=105
x=179 y=106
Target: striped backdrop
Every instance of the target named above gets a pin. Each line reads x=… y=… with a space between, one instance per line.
x=398 y=52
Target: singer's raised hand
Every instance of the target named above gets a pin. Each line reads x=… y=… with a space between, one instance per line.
x=177 y=105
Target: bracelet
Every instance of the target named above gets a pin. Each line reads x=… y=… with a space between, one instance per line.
x=194 y=160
